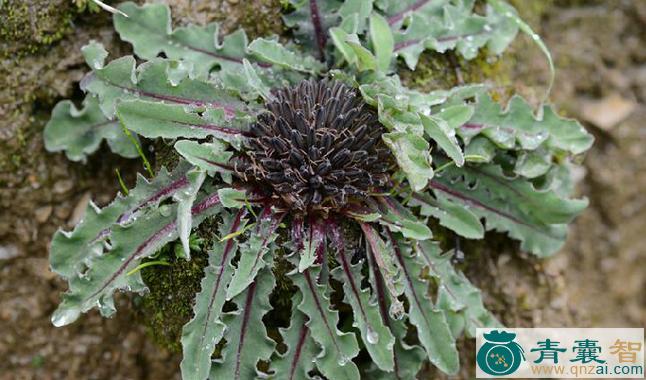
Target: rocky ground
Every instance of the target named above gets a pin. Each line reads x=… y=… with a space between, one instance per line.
x=596 y=281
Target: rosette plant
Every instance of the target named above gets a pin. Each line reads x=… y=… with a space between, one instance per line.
x=323 y=172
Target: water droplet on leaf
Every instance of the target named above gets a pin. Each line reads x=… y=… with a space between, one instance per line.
x=372 y=336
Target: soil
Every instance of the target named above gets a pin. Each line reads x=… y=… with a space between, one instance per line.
x=597 y=279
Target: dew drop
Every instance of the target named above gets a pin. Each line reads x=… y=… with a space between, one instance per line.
x=487 y=28
x=372 y=336
x=343 y=360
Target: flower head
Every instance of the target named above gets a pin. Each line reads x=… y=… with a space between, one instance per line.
x=317 y=146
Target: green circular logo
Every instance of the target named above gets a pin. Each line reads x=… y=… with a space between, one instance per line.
x=499 y=355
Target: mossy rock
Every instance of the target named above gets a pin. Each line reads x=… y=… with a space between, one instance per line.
x=28 y=26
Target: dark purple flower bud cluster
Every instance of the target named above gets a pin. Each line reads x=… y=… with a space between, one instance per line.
x=318 y=146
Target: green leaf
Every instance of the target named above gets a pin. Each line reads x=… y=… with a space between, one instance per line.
x=254 y=252
x=152 y=120
x=294 y=364
x=533 y=164
x=384 y=256
x=455 y=292
x=439 y=130
x=513 y=205
x=71 y=252
x=451 y=215
x=481 y=147
x=443 y=25
x=185 y=199
x=80 y=132
x=94 y=54
x=365 y=59
x=148 y=29
x=432 y=328
x=408 y=359
x=205 y=329
x=255 y=82
x=211 y=157
x=232 y=198
x=412 y=155
x=516 y=127
x=246 y=335
x=339 y=38
x=382 y=41
x=337 y=348
x=156 y=80
x=131 y=243
x=376 y=336
x=274 y=52
x=455 y=116
x=312 y=245
x=400 y=219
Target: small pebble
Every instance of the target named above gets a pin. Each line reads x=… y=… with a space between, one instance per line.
x=41 y=214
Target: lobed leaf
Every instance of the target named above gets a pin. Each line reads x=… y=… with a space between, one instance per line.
x=254 y=252
x=412 y=155
x=385 y=259
x=295 y=364
x=153 y=120
x=246 y=335
x=274 y=52
x=456 y=295
x=438 y=130
x=517 y=127
x=79 y=132
x=537 y=218
x=311 y=20
x=205 y=329
x=129 y=244
x=432 y=327
x=312 y=245
x=376 y=336
x=156 y=81
x=453 y=216
x=399 y=219
x=407 y=359
x=337 y=348
x=213 y=157
x=418 y=25
x=148 y=29
x=72 y=252
x=185 y=199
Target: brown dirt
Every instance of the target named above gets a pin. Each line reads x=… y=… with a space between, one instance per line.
x=597 y=280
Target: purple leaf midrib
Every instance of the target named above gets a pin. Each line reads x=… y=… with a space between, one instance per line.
x=225 y=254
x=276 y=219
x=243 y=328
x=338 y=242
x=474 y=202
x=298 y=350
x=399 y=16
x=400 y=259
x=213 y=127
x=308 y=279
x=448 y=290
x=228 y=109
x=381 y=299
x=200 y=50
x=199 y=208
x=173 y=187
